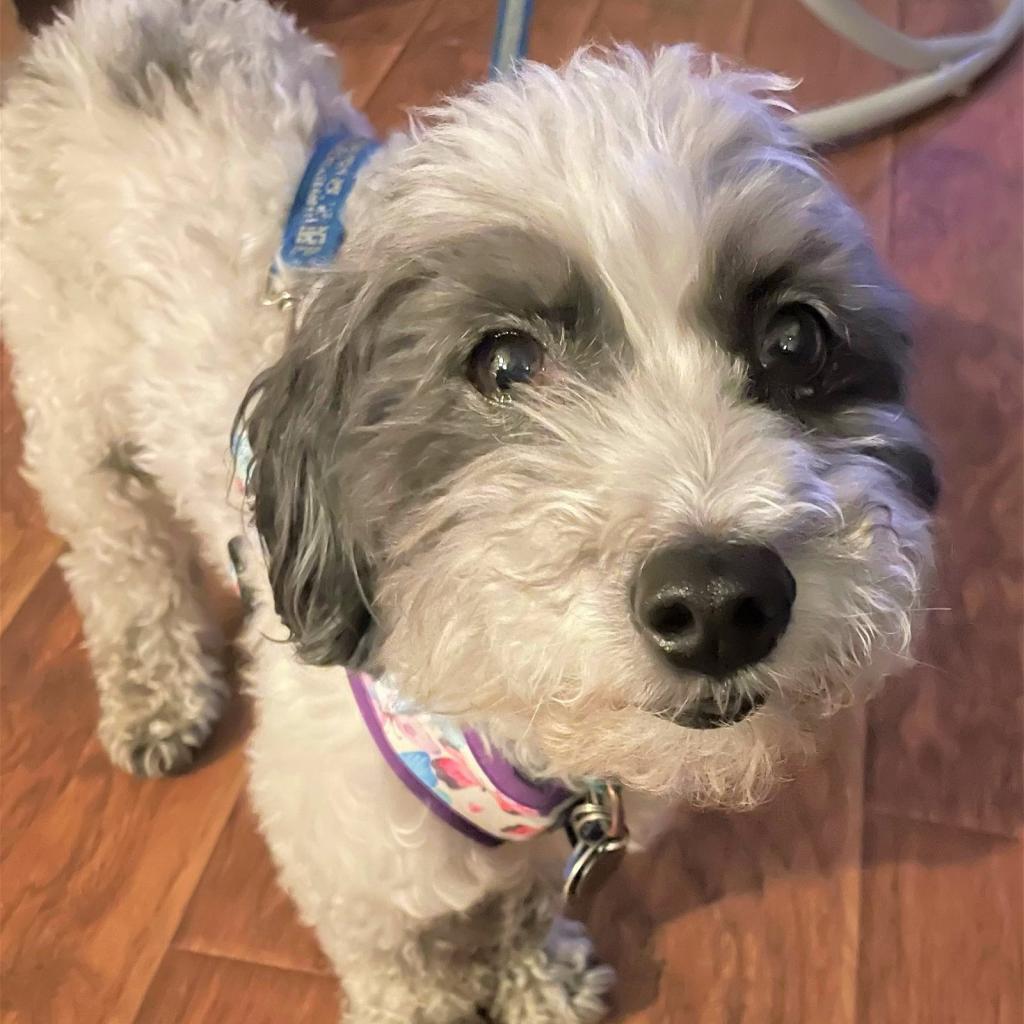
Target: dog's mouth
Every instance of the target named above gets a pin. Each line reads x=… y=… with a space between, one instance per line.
x=710 y=714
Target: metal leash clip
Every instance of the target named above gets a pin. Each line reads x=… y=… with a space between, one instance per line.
x=274 y=294
x=597 y=830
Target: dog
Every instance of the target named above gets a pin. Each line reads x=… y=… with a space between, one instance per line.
x=592 y=438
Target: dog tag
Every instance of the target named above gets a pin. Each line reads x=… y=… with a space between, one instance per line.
x=598 y=833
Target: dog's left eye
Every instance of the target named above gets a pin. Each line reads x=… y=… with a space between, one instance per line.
x=504 y=358
x=792 y=350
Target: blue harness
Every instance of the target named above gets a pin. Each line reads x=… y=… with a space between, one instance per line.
x=314 y=231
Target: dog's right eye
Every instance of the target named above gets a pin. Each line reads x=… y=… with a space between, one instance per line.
x=503 y=358
x=792 y=348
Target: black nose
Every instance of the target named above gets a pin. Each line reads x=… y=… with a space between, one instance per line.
x=713 y=607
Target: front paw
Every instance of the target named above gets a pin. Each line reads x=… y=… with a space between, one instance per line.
x=153 y=730
x=561 y=984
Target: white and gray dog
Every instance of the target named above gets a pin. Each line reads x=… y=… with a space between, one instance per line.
x=592 y=438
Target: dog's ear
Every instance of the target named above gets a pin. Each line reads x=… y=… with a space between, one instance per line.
x=293 y=418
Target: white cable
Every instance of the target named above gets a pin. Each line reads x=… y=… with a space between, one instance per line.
x=964 y=63
x=849 y=19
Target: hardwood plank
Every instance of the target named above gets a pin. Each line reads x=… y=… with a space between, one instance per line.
x=263 y=926
x=746 y=918
x=451 y=50
x=48 y=706
x=194 y=989
x=786 y=37
x=717 y=26
x=367 y=36
x=941 y=929
x=24 y=563
x=12 y=37
x=27 y=548
x=964 y=162
x=95 y=887
x=557 y=29
x=946 y=744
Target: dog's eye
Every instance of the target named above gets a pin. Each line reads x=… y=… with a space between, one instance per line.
x=504 y=358
x=792 y=350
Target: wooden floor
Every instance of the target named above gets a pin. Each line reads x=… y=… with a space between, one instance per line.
x=884 y=886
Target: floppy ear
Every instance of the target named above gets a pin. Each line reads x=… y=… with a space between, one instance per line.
x=293 y=416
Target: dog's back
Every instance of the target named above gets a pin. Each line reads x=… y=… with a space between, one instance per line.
x=146 y=145
x=150 y=149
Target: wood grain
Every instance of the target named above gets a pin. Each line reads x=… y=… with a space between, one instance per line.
x=95 y=886
x=941 y=931
x=27 y=548
x=194 y=989
x=12 y=38
x=48 y=711
x=262 y=926
x=368 y=37
x=700 y=925
x=944 y=745
x=451 y=49
x=785 y=37
x=720 y=27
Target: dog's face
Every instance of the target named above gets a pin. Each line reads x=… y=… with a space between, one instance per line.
x=600 y=425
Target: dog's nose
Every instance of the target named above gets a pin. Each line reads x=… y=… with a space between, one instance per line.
x=714 y=607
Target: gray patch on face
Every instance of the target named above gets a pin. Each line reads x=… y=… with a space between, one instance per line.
x=816 y=255
x=369 y=412
x=885 y=434
x=777 y=234
x=413 y=414
x=913 y=469
x=864 y=313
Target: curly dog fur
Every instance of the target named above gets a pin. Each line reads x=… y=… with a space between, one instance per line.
x=632 y=225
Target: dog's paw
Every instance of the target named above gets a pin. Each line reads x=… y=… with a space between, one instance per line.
x=586 y=980
x=164 y=744
x=152 y=737
x=562 y=984
x=587 y=991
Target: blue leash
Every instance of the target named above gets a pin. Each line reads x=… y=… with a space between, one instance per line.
x=510 y=35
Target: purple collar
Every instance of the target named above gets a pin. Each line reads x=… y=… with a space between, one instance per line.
x=456 y=772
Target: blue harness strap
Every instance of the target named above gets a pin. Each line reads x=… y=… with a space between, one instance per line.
x=314 y=233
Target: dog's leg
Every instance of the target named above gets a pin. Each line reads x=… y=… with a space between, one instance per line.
x=132 y=570
x=436 y=976
x=153 y=642
x=546 y=972
x=491 y=963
